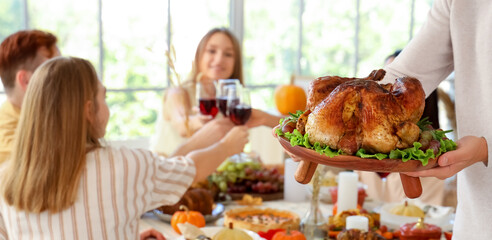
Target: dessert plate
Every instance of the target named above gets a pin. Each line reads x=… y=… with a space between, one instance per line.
x=211 y=231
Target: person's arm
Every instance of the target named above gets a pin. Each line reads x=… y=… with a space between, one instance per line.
x=3 y=231
x=261 y=118
x=178 y=111
x=470 y=150
x=429 y=55
x=208 y=159
x=209 y=134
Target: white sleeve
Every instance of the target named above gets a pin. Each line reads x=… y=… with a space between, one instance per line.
x=3 y=231
x=173 y=176
x=429 y=56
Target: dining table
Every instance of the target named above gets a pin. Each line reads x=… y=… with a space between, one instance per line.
x=150 y=220
x=301 y=208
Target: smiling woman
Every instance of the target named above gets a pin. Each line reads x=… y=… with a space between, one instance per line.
x=218 y=56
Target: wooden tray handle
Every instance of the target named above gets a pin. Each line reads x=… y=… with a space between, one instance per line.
x=411 y=185
x=305 y=171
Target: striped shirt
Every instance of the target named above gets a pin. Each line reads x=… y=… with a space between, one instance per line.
x=117 y=187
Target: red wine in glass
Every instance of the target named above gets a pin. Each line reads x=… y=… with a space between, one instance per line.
x=383 y=175
x=223 y=104
x=240 y=113
x=208 y=106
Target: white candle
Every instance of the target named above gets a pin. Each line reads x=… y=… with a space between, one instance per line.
x=293 y=191
x=347 y=191
x=357 y=222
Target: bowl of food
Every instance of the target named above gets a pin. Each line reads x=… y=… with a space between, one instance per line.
x=420 y=231
x=395 y=215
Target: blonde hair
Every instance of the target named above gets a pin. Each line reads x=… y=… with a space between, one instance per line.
x=52 y=138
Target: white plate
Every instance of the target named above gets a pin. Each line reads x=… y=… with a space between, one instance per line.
x=211 y=231
x=440 y=216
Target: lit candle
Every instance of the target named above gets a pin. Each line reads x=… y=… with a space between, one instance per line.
x=347 y=191
x=357 y=222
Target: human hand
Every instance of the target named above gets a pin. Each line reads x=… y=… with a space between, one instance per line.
x=261 y=118
x=470 y=150
x=197 y=121
x=209 y=134
x=214 y=130
x=235 y=140
x=151 y=233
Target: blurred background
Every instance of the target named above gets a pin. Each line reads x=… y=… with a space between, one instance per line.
x=127 y=41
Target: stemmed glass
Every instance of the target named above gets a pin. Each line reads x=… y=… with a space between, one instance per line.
x=239 y=105
x=223 y=87
x=205 y=93
x=383 y=176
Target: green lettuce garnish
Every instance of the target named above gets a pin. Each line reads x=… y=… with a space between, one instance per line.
x=362 y=153
x=412 y=153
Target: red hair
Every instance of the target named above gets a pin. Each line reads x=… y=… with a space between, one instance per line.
x=18 y=49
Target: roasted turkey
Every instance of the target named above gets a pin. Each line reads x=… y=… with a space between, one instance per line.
x=354 y=113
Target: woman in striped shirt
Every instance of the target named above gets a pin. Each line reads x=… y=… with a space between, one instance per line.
x=60 y=183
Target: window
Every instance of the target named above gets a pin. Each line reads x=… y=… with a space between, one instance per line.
x=280 y=37
x=135 y=41
x=269 y=46
x=190 y=20
x=328 y=38
x=10 y=21
x=75 y=26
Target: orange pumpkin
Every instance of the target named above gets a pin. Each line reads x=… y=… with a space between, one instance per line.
x=290 y=98
x=192 y=217
x=289 y=235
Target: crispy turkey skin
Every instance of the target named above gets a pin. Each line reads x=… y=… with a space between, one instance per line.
x=351 y=113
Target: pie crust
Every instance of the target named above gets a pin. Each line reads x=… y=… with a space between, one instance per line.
x=261 y=219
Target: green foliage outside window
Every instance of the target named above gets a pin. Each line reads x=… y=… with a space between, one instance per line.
x=135 y=41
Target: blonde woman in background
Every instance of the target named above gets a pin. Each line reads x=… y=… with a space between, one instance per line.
x=218 y=56
x=61 y=183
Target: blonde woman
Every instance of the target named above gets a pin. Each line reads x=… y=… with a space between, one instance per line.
x=218 y=56
x=60 y=183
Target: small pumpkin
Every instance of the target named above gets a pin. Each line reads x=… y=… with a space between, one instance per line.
x=289 y=235
x=290 y=98
x=229 y=233
x=408 y=210
x=187 y=216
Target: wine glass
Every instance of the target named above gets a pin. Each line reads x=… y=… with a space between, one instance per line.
x=239 y=105
x=383 y=176
x=223 y=86
x=207 y=103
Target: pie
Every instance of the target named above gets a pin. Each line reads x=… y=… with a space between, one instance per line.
x=261 y=219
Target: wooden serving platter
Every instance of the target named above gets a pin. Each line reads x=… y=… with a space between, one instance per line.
x=309 y=160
